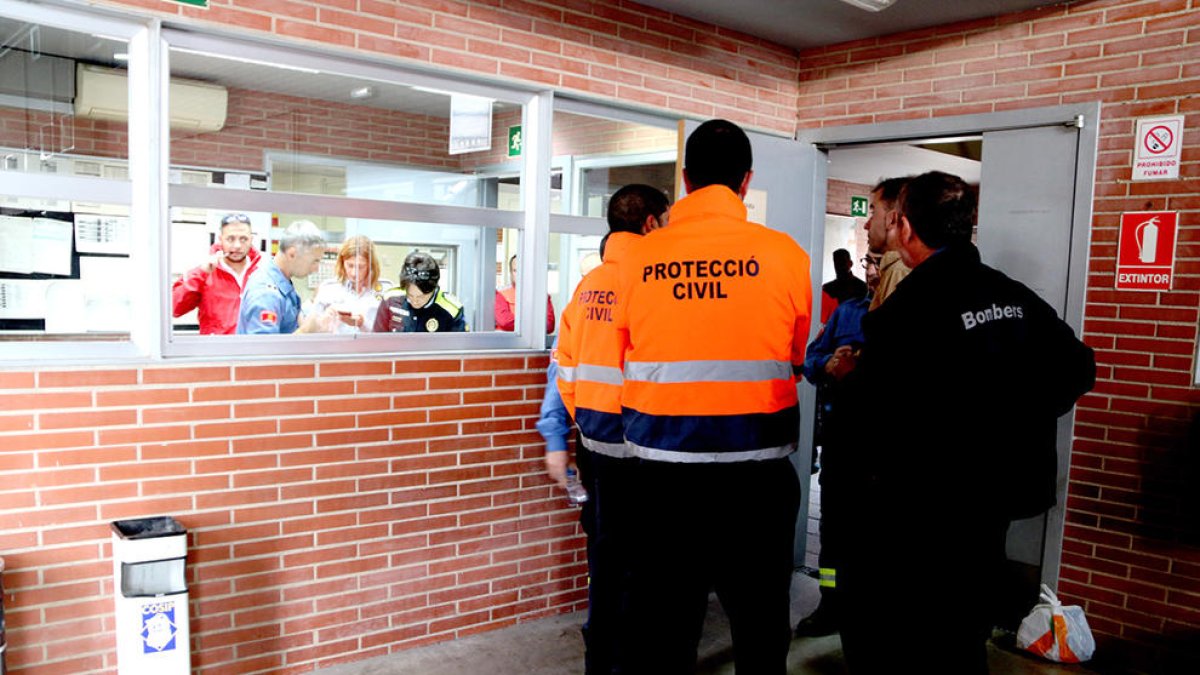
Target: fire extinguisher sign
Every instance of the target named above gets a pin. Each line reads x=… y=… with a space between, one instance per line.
x=1146 y=251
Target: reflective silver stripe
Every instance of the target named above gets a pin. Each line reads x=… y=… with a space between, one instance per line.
x=601 y=374
x=681 y=457
x=586 y=372
x=618 y=450
x=679 y=372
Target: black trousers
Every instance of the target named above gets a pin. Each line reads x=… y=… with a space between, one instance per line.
x=699 y=527
x=940 y=610
x=604 y=517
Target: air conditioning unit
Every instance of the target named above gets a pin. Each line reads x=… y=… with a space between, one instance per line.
x=103 y=94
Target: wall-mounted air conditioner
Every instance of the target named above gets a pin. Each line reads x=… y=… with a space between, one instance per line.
x=103 y=94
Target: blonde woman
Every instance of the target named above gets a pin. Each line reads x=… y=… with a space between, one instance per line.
x=356 y=292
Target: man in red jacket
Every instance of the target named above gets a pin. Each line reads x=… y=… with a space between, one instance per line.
x=216 y=286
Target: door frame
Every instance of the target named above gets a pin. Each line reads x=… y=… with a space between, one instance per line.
x=1086 y=118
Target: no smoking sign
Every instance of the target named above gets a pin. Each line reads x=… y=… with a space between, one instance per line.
x=1157 y=145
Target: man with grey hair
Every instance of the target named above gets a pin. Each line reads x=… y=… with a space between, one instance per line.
x=270 y=303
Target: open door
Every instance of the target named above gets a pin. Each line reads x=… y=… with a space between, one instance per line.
x=1037 y=175
x=1026 y=226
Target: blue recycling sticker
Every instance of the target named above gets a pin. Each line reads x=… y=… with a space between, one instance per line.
x=158 y=627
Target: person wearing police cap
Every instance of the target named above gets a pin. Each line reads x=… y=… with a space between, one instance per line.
x=419 y=305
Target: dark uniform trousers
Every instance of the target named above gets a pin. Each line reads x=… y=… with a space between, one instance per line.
x=700 y=527
x=604 y=518
x=941 y=610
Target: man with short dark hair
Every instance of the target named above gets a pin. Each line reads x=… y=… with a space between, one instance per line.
x=987 y=367
x=589 y=360
x=215 y=288
x=419 y=305
x=845 y=286
x=881 y=219
x=714 y=314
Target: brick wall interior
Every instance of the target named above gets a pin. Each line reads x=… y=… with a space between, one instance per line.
x=335 y=511
x=340 y=511
x=1131 y=554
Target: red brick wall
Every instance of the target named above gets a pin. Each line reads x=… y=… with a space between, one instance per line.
x=1132 y=551
x=609 y=48
x=81 y=448
x=260 y=121
x=335 y=511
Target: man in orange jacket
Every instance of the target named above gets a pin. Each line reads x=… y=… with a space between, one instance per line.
x=590 y=357
x=714 y=313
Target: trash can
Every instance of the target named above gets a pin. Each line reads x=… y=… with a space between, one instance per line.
x=151 y=596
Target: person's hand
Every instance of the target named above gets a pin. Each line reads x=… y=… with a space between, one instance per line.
x=212 y=262
x=844 y=360
x=351 y=318
x=556 y=467
x=321 y=321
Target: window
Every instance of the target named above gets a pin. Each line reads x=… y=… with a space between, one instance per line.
x=102 y=214
x=66 y=251
x=358 y=151
x=601 y=151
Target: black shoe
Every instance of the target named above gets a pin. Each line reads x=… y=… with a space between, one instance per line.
x=818 y=624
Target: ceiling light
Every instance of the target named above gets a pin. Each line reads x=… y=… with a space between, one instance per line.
x=121 y=56
x=871 y=5
x=362 y=92
x=241 y=59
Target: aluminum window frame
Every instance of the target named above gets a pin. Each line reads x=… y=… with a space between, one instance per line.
x=529 y=220
x=140 y=34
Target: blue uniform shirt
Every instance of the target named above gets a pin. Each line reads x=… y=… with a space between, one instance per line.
x=554 y=423
x=270 y=303
x=844 y=328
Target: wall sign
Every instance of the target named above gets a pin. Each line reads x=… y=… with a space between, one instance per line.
x=514 y=141
x=1157 y=145
x=1146 y=250
x=858 y=206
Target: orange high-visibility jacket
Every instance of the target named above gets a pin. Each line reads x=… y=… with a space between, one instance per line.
x=590 y=354
x=714 y=312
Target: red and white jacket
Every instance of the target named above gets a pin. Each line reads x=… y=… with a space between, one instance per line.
x=217 y=294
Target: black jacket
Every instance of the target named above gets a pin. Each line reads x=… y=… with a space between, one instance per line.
x=442 y=314
x=963 y=375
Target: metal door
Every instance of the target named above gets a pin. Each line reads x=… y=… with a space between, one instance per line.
x=1026 y=214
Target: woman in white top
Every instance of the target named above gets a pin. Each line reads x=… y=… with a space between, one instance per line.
x=356 y=292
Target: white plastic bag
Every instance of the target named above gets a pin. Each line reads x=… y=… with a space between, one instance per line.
x=1055 y=632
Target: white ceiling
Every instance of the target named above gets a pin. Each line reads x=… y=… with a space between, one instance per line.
x=813 y=23
x=869 y=164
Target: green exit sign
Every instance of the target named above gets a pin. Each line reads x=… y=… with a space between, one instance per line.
x=858 y=206
x=514 y=141
x=194 y=3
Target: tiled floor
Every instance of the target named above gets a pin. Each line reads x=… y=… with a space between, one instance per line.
x=553 y=646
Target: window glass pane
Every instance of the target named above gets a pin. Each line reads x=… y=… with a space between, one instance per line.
x=342 y=285
x=609 y=154
x=604 y=155
x=571 y=257
x=64 y=274
x=598 y=184
x=63 y=96
x=288 y=129
x=64 y=262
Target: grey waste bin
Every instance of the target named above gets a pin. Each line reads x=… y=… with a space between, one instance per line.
x=151 y=596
